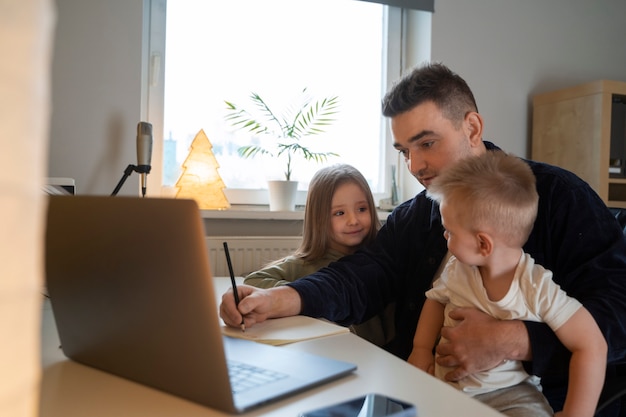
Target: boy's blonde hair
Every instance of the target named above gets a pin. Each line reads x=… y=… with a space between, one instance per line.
x=317 y=217
x=495 y=192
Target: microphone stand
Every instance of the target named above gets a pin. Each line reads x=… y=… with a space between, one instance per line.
x=141 y=169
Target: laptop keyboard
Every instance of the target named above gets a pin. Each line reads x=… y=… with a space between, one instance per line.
x=244 y=376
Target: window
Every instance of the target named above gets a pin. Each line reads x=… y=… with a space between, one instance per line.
x=217 y=51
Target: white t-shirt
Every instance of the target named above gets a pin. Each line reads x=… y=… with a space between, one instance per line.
x=533 y=296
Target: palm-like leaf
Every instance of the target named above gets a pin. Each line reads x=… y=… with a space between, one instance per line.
x=286 y=130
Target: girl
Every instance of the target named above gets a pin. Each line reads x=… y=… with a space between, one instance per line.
x=340 y=217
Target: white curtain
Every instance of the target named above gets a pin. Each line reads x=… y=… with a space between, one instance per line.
x=26 y=39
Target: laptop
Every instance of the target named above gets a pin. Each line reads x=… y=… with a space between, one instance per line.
x=132 y=294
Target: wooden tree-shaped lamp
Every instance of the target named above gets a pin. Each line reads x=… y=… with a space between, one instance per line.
x=200 y=179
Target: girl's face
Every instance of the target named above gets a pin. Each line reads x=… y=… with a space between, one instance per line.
x=350 y=220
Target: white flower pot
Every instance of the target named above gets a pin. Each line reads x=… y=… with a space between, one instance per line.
x=282 y=195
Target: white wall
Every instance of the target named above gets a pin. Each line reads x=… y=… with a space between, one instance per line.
x=96 y=93
x=507 y=50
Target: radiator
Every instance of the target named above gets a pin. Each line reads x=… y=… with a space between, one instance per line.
x=248 y=253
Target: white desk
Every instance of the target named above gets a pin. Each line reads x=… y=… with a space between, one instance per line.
x=69 y=389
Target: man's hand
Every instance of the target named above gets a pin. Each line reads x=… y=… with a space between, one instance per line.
x=480 y=342
x=258 y=305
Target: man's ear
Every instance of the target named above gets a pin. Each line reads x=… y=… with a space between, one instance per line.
x=485 y=244
x=473 y=124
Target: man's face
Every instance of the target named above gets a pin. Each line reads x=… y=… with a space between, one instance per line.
x=430 y=142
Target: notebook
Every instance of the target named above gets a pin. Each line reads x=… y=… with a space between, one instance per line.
x=286 y=330
x=132 y=294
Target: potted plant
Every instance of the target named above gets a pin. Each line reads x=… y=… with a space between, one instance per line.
x=284 y=132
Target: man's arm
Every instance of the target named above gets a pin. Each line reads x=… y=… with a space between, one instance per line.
x=577 y=238
x=496 y=340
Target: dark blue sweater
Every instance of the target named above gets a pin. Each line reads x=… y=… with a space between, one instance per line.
x=575 y=236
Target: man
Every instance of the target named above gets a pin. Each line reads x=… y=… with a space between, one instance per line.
x=435 y=122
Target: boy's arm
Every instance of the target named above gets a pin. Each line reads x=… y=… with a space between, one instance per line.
x=426 y=334
x=581 y=335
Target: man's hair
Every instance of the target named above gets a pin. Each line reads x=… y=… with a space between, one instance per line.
x=432 y=82
x=496 y=191
x=317 y=216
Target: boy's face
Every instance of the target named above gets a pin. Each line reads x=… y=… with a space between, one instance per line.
x=430 y=142
x=462 y=242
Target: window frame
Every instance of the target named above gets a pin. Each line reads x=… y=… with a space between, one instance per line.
x=153 y=52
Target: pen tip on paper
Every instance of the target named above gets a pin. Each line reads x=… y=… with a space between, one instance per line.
x=243 y=327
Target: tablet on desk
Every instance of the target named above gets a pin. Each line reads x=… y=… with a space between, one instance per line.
x=370 y=405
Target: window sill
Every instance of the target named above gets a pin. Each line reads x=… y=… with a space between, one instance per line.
x=253 y=212
x=261 y=212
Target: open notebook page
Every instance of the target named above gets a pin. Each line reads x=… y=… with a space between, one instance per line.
x=286 y=330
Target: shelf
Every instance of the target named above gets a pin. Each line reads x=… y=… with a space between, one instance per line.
x=581 y=129
x=617 y=192
x=616 y=204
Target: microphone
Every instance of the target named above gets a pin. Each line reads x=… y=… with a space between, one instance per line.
x=144 y=152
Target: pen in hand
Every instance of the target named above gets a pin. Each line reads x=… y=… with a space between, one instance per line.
x=232 y=281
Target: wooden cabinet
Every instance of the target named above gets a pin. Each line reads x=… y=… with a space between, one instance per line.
x=583 y=129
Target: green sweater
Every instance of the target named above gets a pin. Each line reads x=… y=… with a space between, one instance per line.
x=378 y=329
x=289 y=269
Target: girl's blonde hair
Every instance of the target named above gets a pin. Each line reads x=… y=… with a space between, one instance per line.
x=317 y=216
x=496 y=192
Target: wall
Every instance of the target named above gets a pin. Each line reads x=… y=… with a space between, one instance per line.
x=96 y=93
x=507 y=50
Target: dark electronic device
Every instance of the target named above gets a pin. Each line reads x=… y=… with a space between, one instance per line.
x=370 y=405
